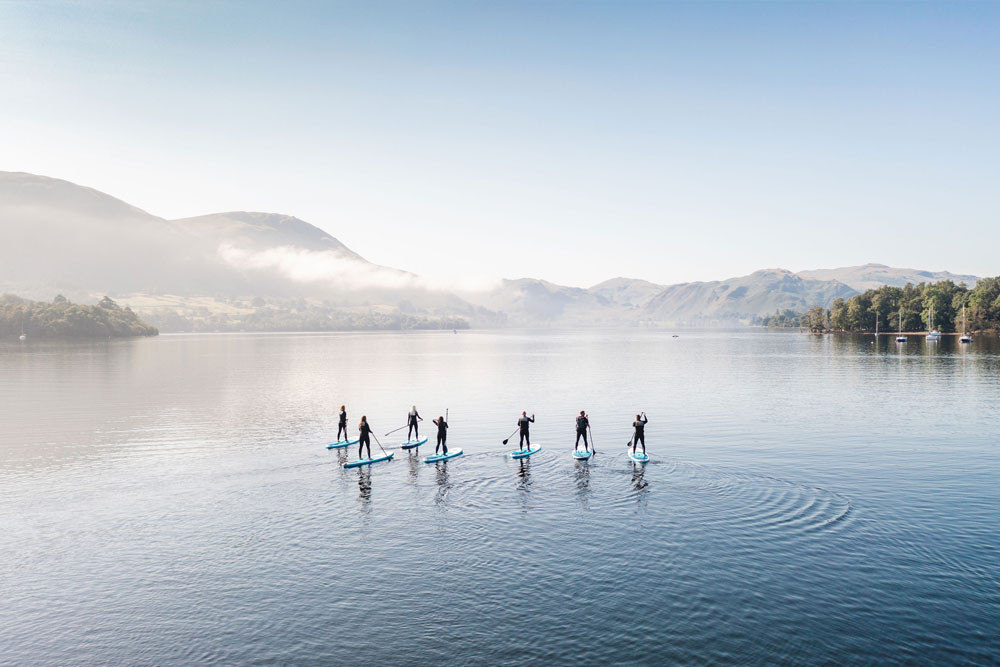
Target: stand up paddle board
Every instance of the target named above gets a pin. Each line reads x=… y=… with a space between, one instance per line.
x=524 y=453
x=581 y=454
x=365 y=462
x=410 y=444
x=341 y=443
x=434 y=458
x=638 y=457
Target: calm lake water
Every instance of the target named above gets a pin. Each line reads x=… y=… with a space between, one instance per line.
x=808 y=500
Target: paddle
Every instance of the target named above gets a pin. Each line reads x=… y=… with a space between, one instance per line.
x=593 y=445
x=394 y=430
x=380 y=445
x=511 y=435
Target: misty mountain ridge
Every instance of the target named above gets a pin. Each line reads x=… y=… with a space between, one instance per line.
x=873 y=276
x=56 y=236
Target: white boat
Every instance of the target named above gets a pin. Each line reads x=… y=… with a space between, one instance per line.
x=965 y=337
x=933 y=335
x=900 y=338
x=22 y=337
x=876 y=325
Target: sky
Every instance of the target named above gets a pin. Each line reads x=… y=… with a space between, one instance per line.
x=571 y=141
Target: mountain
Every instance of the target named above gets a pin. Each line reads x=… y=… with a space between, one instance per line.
x=627 y=291
x=259 y=231
x=872 y=276
x=533 y=302
x=58 y=236
x=737 y=300
x=241 y=268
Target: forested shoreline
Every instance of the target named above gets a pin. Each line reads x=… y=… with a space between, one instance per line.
x=909 y=308
x=272 y=318
x=62 y=319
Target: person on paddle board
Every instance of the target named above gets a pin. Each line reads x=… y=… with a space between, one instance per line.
x=640 y=432
x=411 y=421
x=523 y=422
x=343 y=423
x=365 y=437
x=442 y=441
x=582 y=423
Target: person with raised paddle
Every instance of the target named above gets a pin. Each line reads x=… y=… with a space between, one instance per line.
x=411 y=422
x=343 y=423
x=522 y=423
x=640 y=432
x=364 y=437
x=582 y=424
x=442 y=437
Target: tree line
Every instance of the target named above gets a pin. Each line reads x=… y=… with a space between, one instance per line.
x=912 y=308
x=297 y=316
x=63 y=319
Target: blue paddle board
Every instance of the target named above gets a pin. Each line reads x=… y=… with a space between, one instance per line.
x=524 y=453
x=365 y=462
x=434 y=458
x=410 y=444
x=638 y=457
x=581 y=454
x=341 y=443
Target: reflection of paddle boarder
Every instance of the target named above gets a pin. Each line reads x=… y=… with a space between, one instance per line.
x=522 y=424
x=364 y=439
x=524 y=474
x=582 y=424
x=365 y=485
x=343 y=424
x=638 y=478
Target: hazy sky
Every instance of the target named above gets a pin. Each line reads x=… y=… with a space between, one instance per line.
x=572 y=141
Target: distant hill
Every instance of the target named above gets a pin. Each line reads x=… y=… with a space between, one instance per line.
x=739 y=299
x=59 y=237
x=243 y=269
x=533 y=302
x=627 y=291
x=873 y=276
x=56 y=236
x=259 y=231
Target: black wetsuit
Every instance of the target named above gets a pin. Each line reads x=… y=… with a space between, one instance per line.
x=640 y=433
x=523 y=423
x=442 y=436
x=364 y=439
x=343 y=425
x=581 y=430
x=414 y=428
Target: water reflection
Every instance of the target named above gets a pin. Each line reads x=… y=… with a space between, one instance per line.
x=443 y=482
x=414 y=465
x=639 y=482
x=524 y=481
x=581 y=475
x=365 y=488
